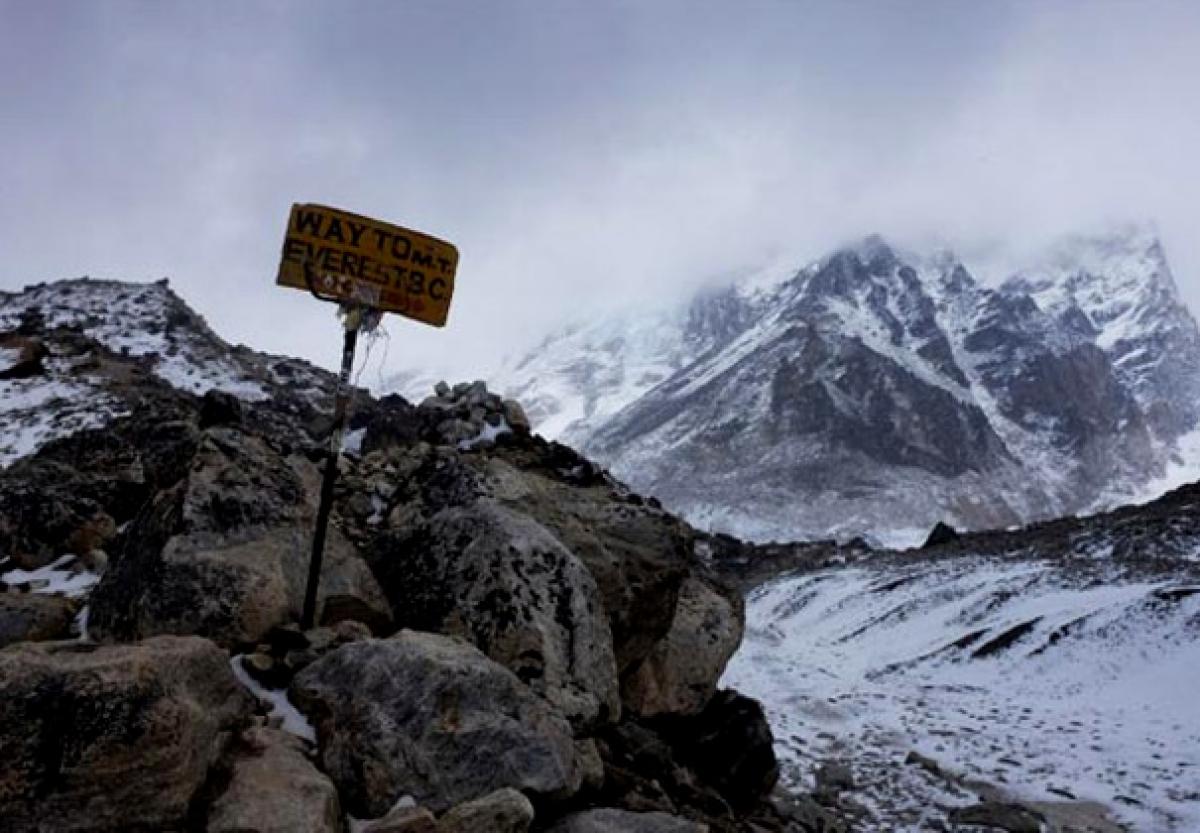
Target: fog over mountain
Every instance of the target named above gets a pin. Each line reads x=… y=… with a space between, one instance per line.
x=583 y=156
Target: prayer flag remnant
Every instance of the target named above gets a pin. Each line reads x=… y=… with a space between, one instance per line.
x=364 y=261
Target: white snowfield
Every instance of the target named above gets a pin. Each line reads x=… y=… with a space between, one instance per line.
x=1051 y=683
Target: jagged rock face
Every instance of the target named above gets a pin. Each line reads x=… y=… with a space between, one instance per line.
x=879 y=392
x=460 y=726
x=505 y=584
x=112 y=738
x=1120 y=289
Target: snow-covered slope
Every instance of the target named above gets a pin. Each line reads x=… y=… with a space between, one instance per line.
x=1056 y=665
x=86 y=340
x=877 y=391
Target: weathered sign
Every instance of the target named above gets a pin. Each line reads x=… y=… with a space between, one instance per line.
x=357 y=259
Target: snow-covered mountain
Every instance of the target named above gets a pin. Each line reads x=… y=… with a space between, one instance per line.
x=877 y=391
x=1055 y=666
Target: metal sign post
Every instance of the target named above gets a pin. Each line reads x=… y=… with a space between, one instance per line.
x=353 y=315
x=367 y=267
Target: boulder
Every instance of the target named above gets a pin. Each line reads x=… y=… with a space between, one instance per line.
x=430 y=716
x=681 y=672
x=514 y=414
x=35 y=617
x=225 y=553
x=942 y=533
x=274 y=788
x=111 y=738
x=502 y=582
x=637 y=554
x=730 y=745
x=622 y=821
x=503 y=811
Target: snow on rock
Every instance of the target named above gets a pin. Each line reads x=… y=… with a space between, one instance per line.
x=102 y=346
x=281 y=707
x=36 y=410
x=63 y=577
x=137 y=320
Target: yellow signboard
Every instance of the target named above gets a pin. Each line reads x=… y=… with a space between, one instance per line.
x=355 y=258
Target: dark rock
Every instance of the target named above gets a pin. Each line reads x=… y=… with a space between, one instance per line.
x=29 y=354
x=730 y=745
x=111 y=738
x=266 y=670
x=460 y=726
x=942 y=533
x=834 y=776
x=220 y=408
x=35 y=617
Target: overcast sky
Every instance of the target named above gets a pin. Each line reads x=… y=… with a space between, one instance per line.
x=580 y=154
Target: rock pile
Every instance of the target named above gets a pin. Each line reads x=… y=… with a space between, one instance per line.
x=510 y=640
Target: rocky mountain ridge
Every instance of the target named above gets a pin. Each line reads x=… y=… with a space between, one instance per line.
x=883 y=391
x=508 y=639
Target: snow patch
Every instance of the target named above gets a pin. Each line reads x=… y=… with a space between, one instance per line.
x=281 y=707
x=63 y=577
x=487 y=434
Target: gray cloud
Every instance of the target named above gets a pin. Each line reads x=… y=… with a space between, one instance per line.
x=581 y=155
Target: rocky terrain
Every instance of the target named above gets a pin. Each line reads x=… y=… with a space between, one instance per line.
x=508 y=638
x=883 y=391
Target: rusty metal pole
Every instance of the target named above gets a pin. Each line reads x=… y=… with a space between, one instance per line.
x=353 y=322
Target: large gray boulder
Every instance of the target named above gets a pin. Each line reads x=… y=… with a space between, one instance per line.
x=111 y=738
x=274 y=788
x=430 y=716
x=502 y=582
x=637 y=554
x=608 y=820
x=681 y=672
x=225 y=552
